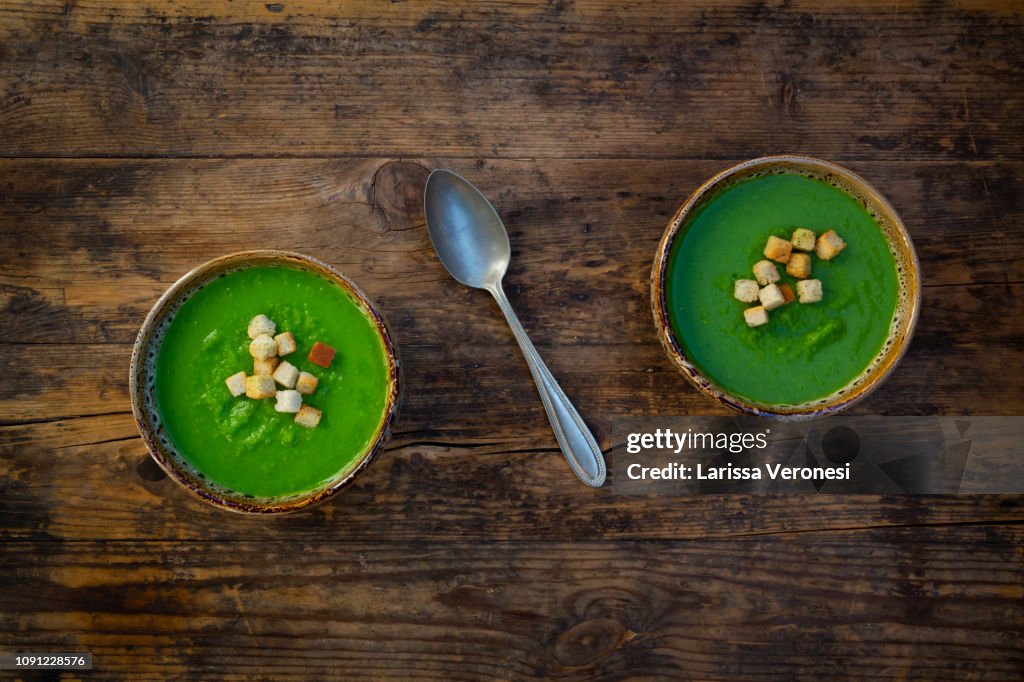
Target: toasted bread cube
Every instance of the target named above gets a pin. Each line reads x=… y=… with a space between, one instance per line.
x=288 y=401
x=809 y=290
x=264 y=367
x=778 y=249
x=766 y=272
x=308 y=416
x=286 y=374
x=787 y=292
x=755 y=316
x=322 y=354
x=261 y=324
x=803 y=239
x=799 y=265
x=306 y=383
x=771 y=297
x=745 y=290
x=263 y=347
x=260 y=386
x=236 y=384
x=285 y=343
x=829 y=245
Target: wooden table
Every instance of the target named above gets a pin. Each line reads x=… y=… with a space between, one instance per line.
x=140 y=140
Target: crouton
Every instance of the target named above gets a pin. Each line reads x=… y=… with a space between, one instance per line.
x=286 y=374
x=285 y=344
x=236 y=384
x=308 y=416
x=809 y=290
x=260 y=386
x=799 y=265
x=265 y=367
x=288 y=401
x=263 y=347
x=778 y=249
x=771 y=297
x=261 y=324
x=765 y=272
x=755 y=316
x=306 y=383
x=787 y=292
x=745 y=290
x=803 y=239
x=322 y=354
x=829 y=245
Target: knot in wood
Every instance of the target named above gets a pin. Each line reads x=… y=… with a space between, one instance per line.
x=397 y=191
x=589 y=642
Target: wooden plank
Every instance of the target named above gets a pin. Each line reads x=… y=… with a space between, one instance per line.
x=579 y=278
x=555 y=80
x=90 y=479
x=852 y=604
x=93 y=243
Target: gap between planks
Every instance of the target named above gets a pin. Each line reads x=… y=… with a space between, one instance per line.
x=865 y=529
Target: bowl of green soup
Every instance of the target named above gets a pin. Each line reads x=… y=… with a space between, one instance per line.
x=264 y=381
x=786 y=287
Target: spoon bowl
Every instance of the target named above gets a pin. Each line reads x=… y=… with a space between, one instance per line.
x=465 y=230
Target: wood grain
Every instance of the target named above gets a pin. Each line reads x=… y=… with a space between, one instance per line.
x=140 y=139
x=842 y=604
x=555 y=79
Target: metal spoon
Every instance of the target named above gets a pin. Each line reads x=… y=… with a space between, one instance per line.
x=472 y=244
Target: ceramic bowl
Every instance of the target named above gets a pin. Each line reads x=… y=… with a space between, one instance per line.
x=909 y=295
x=142 y=384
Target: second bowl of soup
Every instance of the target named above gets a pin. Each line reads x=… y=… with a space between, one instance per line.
x=847 y=315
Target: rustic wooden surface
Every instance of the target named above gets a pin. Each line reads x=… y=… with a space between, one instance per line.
x=140 y=139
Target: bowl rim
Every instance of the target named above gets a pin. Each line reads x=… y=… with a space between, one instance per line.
x=835 y=401
x=186 y=286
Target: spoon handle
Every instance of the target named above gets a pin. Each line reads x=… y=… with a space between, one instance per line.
x=575 y=439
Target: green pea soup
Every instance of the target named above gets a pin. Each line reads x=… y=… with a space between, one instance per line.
x=806 y=352
x=245 y=445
